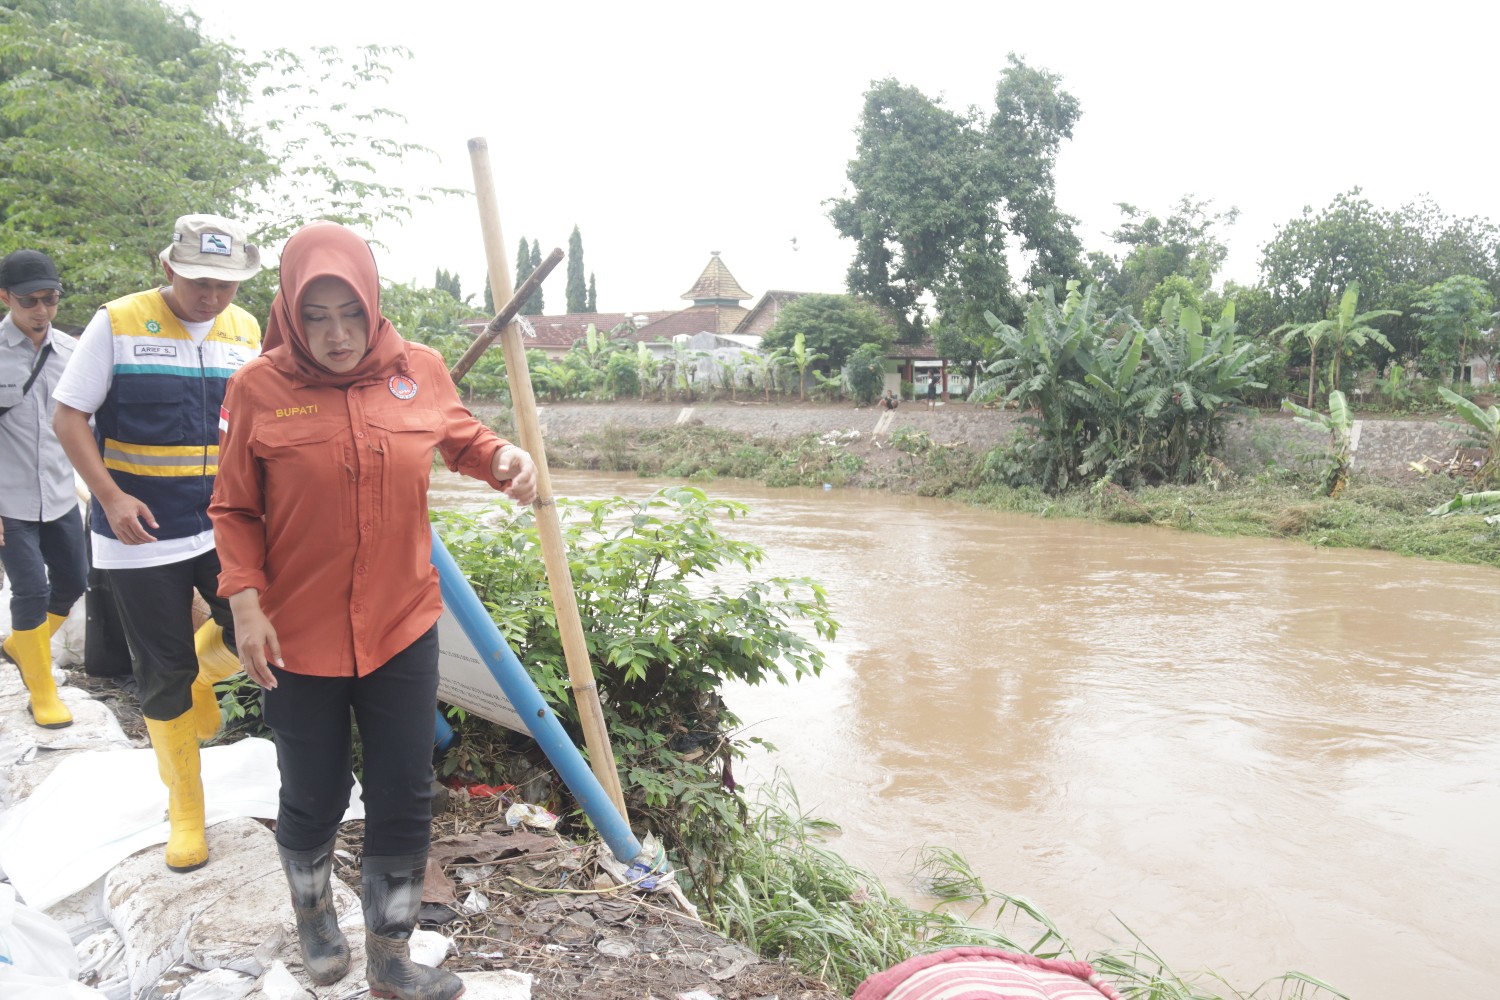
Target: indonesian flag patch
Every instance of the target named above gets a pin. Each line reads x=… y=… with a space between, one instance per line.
x=223 y=420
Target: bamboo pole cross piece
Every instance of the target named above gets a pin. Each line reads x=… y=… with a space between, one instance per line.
x=549 y=527
x=503 y=318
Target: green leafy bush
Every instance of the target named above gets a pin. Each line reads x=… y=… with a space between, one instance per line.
x=671 y=611
x=1109 y=399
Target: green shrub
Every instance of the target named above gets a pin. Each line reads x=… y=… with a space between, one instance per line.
x=664 y=634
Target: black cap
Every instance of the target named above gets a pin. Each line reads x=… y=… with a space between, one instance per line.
x=27 y=271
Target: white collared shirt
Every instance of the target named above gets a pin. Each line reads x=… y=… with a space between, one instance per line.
x=37 y=481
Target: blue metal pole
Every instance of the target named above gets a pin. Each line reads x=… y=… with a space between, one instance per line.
x=518 y=686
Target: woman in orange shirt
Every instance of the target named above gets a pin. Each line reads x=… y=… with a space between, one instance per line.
x=320 y=517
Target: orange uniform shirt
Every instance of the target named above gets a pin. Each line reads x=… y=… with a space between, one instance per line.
x=321 y=505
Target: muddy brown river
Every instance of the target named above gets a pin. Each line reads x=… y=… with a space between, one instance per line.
x=1260 y=756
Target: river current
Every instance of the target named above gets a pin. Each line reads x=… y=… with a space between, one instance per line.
x=1258 y=755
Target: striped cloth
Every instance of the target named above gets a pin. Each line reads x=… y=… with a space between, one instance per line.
x=975 y=973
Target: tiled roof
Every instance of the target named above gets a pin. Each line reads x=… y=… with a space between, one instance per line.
x=694 y=319
x=558 y=333
x=763 y=314
x=924 y=351
x=715 y=284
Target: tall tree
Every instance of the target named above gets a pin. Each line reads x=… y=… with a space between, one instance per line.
x=936 y=195
x=593 y=305
x=1394 y=255
x=831 y=325
x=1186 y=243
x=1451 y=315
x=1312 y=259
x=523 y=263
x=448 y=281
x=117 y=116
x=578 y=291
x=534 y=305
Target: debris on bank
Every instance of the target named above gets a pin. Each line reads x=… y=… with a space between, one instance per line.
x=518 y=911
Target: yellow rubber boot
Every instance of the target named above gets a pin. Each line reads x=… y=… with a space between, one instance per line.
x=31 y=649
x=215 y=663
x=176 y=746
x=54 y=623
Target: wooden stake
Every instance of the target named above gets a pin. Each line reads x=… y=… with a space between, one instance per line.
x=549 y=527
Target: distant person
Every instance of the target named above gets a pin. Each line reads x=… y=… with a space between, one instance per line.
x=150 y=370
x=932 y=391
x=890 y=401
x=41 y=530
x=321 y=512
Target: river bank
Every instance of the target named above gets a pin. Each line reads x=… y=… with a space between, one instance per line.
x=1383 y=447
x=1262 y=484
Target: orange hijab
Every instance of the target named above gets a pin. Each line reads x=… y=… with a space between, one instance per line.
x=321 y=250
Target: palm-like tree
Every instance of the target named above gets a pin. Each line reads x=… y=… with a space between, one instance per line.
x=1346 y=332
x=803 y=359
x=1339 y=423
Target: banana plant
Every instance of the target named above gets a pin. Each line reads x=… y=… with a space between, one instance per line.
x=647 y=366
x=1339 y=423
x=1485 y=420
x=803 y=359
x=1486 y=503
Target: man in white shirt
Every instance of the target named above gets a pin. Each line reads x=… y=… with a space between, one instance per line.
x=150 y=370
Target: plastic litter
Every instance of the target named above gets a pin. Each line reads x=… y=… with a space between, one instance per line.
x=530 y=815
x=429 y=948
x=37 y=960
x=279 y=984
x=469 y=874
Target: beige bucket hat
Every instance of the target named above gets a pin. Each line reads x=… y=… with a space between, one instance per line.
x=210 y=246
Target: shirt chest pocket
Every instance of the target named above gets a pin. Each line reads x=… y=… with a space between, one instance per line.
x=405 y=440
x=310 y=464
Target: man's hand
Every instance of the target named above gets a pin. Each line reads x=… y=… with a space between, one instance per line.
x=516 y=465
x=125 y=514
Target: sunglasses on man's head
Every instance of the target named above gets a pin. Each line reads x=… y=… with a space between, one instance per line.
x=39 y=299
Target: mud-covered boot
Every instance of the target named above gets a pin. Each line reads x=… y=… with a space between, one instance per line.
x=392 y=890
x=325 y=952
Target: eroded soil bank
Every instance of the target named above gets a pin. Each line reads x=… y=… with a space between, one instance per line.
x=1255 y=441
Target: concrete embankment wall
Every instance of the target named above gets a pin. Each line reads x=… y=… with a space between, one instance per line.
x=1254 y=442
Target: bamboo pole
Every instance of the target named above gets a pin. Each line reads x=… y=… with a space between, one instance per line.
x=496 y=326
x=549 y=527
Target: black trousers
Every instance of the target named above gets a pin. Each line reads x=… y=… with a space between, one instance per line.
x=156 y=609
x=394 y=709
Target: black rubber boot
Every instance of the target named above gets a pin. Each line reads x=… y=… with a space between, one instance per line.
x=392 y=890
x=325 y=951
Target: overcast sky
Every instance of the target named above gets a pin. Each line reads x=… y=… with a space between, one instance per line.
x=666 y=131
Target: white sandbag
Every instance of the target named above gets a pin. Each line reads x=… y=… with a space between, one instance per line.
x=16 y=985
x=32 y=942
